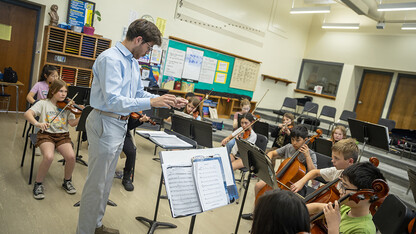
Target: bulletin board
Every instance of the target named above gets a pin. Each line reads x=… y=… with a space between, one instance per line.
x=221 y=78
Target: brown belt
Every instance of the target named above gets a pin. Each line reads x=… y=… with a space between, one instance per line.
x=113 y=115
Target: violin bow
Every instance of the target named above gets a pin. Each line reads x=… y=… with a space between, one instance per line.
x=258 y=103
x=70 y=100
x=205 y=98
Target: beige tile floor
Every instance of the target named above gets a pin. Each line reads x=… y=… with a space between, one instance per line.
x=21 y=213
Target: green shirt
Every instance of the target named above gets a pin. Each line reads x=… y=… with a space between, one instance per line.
x=363 y=224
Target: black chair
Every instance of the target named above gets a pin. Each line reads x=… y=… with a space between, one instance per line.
x=261 y=128
x=390 y=124
x=289 y=103
x=345 y=115
x=328 y=112
x=412 y=182
x=33 y=140
x=306 y=118
x=322 y=161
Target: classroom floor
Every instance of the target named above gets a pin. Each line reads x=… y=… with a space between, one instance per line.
x=21 y=213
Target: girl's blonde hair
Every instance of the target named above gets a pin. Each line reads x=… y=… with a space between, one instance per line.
x=244 y=102
x=343 y=130
x=55 y=87
x=194 y=101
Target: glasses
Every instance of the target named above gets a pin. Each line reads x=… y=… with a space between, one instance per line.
x=344 y=189
x=149 y=48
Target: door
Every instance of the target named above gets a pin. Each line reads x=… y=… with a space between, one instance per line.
x=19 y=50
x=403 y=107
x=372 y=97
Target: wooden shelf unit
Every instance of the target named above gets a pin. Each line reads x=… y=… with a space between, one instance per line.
x=72 y=53
x=226 y=107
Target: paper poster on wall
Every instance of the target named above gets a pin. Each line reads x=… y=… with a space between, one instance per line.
x=220 y=77
x=208 y=70
x=156 y=54
x=144 y=59
x=222 y=66
x=174 y=63
x=193 y=64
x=145 y=74
x=161 y=24
x=245 y=74
x=5 y=32
x=81 y=12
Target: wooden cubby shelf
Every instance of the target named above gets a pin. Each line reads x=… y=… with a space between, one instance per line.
x=276 y=79
x=72 y=53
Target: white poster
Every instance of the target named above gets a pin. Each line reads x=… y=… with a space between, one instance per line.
x=174 y=63
x=208 y=70
x=156 y=55
x=220 y=77
x=193 y=64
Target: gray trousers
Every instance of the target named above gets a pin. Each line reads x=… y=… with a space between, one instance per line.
x=105 y=137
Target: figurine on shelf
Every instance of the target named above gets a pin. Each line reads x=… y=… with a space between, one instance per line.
x=54 y=15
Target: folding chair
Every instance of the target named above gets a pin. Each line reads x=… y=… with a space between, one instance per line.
x=345 y=115
x=412 y=182
x=305 y=118
x=390 y=124
x=328 y=112
x=289 y=103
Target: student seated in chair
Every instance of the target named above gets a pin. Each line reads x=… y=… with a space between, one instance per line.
x=351 y=217
x=190 y=107
x=280 y=212
x=248 y=135
x=53 y=134
x=307 y=157
x=338 y=133
x=344 y=154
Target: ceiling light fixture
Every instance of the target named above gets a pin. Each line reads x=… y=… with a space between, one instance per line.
x=340 y=25
x=308 y=10
x=402 y=6
x=409 y=26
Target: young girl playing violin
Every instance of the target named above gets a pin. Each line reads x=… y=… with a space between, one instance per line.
x=248 y=135
x=352 y=217
x=53 y=134
x=282 y=131
x=41 y=88
x=190 y=107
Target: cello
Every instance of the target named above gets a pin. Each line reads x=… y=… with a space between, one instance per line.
x=379 y=190
x=290 y=170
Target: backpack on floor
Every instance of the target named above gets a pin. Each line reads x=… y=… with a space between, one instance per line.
x=10 y=75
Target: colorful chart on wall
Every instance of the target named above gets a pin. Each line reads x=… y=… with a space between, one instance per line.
x=215 y=69
x=245 y=74
x=80 y=12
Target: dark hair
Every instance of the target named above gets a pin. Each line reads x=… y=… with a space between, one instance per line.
x=55 y=87
x=248 y=116
x=299 y=131
x=47 y=71
x=194 y=101
x=146 y=29
x=189 y=95
x=280 y=212
x=362 y=174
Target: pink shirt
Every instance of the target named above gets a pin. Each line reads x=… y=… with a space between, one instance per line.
x=40 y=89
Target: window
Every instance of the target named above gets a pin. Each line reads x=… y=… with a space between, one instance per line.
x=320 y=77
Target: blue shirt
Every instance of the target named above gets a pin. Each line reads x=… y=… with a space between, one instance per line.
x=117 y=86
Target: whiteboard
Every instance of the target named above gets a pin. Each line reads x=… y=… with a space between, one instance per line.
x=193 y=64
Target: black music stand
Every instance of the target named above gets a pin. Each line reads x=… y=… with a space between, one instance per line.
x=323 y=146
x=393 y=216
x=369 y=134
x=153 y=224
x=259 y=164
x=201 y=132
x=83 y=97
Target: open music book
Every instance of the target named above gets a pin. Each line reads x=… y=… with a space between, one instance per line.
x=196 y=186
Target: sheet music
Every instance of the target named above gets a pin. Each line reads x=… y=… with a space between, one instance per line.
x=210 y=184
x=152 y=133
x=180 y=187
x=169 y=141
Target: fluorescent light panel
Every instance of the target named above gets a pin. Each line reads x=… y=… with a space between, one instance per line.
x=409 y=26
x=403 y=6
x=308 y=10
x=341 y=25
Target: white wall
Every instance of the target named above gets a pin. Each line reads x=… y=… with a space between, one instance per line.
x=280 y=55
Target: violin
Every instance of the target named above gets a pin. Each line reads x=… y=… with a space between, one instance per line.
x=195 y=110
x=246 y=134
x=75 y=109
x=290 y=170
x=138 y=115
x=239 y=131
x=379 y=190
